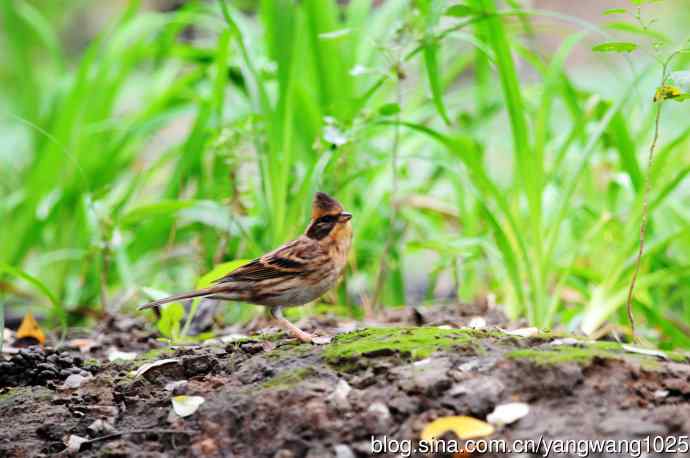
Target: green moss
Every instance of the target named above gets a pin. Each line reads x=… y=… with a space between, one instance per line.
x=584 y=354
x=9 y=393
x=561 y=354
x=289 y=378
x=414 y=343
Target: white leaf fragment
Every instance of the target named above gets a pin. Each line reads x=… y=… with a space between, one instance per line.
x=185 y=406
x=114 y=354
x=74 y=443
x=523 y=332
x=645 y=351
x=148 y=366
x=506 y=414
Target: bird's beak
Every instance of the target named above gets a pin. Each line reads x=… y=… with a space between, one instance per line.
x=345 y=217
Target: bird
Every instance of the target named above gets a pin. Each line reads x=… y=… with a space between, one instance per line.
x=293 y=274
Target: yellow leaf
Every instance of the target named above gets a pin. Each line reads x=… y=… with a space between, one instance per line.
x=463 y=427
x=667 y=92
x=30 y=329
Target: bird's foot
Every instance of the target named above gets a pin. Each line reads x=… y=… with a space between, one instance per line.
x=294 y=331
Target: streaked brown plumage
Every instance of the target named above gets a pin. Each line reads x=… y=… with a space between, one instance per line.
x=296 y=273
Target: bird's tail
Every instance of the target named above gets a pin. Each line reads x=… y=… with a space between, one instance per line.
x=187 y=295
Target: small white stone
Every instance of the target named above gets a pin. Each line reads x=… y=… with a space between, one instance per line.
x=380 y=409
x=660 y=394
x=477 y=323
x=506 y=414
x=74 y=381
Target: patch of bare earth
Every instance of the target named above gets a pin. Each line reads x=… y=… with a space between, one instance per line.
x=276 y=398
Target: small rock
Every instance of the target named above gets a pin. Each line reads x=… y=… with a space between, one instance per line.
x=172 y=386
x=378 y=418
x=101 y=427
x=343 y=451
x=205 y=447
x=479 y=394
x=477 y=323
x=505 y=414
x=339 y=395
x=660 y=394
x=74 y=381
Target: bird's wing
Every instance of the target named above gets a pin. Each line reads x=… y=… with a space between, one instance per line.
x=298 y=257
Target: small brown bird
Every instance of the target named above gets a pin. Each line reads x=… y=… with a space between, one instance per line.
x=296 y=273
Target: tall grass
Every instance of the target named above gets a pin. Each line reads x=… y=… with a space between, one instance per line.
x=148 y=157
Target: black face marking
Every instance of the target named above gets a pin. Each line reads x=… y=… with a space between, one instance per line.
x=320 y=229
x=327 y=219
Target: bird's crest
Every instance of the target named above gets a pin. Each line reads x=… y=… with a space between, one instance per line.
x=324 y=205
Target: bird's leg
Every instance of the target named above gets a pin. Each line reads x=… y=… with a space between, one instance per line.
x=277 y=314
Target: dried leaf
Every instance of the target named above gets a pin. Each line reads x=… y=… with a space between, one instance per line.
x=30 y=329
x=645 y=351
x=463 y=427
x=148 y=366
x=74 y=443
x=185 y=406
x=506 y=414
x=84 y=345
x=523 y=332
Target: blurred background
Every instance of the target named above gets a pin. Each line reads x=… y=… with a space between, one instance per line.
x=490 y=157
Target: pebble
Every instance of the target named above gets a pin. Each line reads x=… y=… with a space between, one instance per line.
x=74 y=381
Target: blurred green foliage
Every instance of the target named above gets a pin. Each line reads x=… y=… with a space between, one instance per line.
x=164 y=143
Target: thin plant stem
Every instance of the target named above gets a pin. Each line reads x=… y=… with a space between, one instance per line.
x=645 y=199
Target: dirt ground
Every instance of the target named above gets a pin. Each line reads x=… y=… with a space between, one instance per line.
x=268 y=396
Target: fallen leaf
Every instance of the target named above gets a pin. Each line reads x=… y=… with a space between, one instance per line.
x=30 y=329
x=74 y=443
x=566 y=341
x=185 y=406
x=506 y=414
x=523 y=332
x=148 y=366
x=463 y=427
x=84 y=345
x=114 y=354
x=645 y=351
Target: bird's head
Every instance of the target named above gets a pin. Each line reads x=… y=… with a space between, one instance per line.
x=328 y=219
